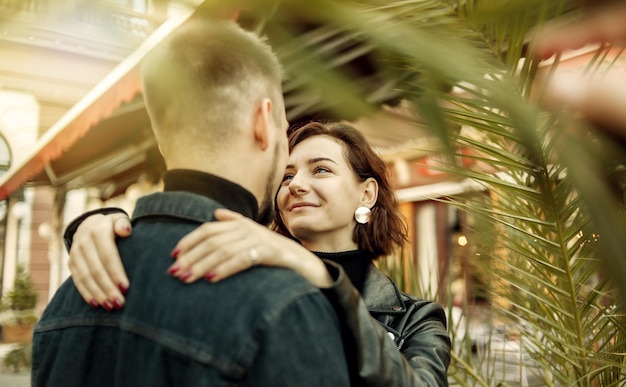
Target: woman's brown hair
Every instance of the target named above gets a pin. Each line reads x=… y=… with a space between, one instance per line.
x=386 y=228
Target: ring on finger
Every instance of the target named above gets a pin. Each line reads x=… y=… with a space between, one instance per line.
x=253 y=254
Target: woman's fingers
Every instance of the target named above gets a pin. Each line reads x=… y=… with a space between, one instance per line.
x=109 y=255
x=114 y=282
x=225 y=214
x=204 y=232
x=230 y=261
x=85 y=284
x=205 y=251
x=121 y=225
x=241 y=260
x=203 y=257
x=91 y=278
x=202 y=241
x=95 y=263
x=198 y=237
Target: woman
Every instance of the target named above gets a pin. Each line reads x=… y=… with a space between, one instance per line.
x=336 y=201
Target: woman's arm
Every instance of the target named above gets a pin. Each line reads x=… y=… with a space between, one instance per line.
x=215 y=251
x=424 y=353
x=218 y=250
x=426 y=343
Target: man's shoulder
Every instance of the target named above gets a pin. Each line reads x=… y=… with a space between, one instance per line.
x=66 y=301
x=273 y=291
x=272 y=282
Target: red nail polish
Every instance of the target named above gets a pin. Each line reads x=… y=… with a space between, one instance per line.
x=123 y=288
x=173 y=269
x=209 y=276
x=126 y=228
x=107 y=305
x=118 y=303
x=175 y=253
x=186 y=274
x=94 y=304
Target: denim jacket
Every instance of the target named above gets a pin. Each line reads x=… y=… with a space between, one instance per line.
x=264 y=327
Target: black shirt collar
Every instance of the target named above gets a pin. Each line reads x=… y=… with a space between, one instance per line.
x=229 y=194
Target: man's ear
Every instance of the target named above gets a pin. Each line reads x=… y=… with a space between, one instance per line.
x=369 y=195
x=262 y=122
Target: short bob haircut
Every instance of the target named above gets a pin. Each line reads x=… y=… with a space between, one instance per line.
x=387 y=228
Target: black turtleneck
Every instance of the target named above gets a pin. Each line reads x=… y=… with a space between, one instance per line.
x=229 y=194
x=354 y=263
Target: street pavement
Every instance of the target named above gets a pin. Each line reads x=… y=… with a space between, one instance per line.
x=14 y=380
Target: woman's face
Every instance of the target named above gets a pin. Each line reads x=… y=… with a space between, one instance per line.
x=319 y=194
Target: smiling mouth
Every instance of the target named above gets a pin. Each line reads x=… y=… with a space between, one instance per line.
x=301 y=205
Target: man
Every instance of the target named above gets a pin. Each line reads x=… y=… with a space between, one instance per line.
x=213 y=95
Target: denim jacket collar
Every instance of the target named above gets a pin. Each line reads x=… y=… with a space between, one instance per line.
x=229 y=194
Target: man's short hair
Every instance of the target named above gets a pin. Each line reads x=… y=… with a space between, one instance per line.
x=205 y=78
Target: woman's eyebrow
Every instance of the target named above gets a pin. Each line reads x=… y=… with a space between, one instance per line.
x=312 y=161
x=318 y=159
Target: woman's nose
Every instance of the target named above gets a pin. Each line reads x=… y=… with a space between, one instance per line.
x=297 y=185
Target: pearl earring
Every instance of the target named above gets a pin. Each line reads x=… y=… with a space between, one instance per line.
x=362 y=214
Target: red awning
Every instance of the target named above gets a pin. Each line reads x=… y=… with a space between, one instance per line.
x=119 y=87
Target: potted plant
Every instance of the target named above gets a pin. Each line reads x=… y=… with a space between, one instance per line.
x=17 y=309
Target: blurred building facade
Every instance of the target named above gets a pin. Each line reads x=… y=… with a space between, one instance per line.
x=53 y=53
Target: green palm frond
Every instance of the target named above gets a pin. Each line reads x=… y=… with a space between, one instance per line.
x=544 y=259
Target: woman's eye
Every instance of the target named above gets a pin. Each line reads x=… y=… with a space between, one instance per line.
x=287 y=177
x=321 y=170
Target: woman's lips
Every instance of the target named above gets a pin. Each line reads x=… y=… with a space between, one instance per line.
x=301 y=205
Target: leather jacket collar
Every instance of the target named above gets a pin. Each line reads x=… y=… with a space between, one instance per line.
x=380 y=294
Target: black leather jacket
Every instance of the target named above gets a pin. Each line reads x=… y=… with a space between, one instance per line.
x=419 y=353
